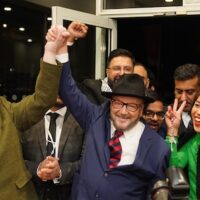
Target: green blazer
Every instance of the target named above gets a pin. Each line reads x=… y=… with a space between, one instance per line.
x=15 y=180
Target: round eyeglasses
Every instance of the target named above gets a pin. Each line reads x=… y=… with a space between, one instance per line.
x=151 y=114
x=129 y=106
x=118 y=69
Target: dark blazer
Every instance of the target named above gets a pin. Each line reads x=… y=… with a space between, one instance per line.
x=185 y=134
x=15 y=180
x=69 y=153
x=95 y=180
x=92 y=89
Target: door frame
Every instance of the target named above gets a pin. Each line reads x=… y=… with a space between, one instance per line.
x=59 y=14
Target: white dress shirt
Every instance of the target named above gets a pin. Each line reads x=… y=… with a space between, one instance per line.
x=129 y=142
x=186 y=118
x=59 y=124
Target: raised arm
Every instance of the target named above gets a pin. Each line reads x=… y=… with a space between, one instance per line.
x=32 y=108
x=78 y=104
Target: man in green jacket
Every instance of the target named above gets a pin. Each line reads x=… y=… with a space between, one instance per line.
x=15 y=180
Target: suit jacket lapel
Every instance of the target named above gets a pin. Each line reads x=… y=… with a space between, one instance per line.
x=143 y=148
x=42 y=137
x=106 y=139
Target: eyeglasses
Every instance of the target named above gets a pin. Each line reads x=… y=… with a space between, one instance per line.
x=151 y=114
x=129 y=106
x=126 y=69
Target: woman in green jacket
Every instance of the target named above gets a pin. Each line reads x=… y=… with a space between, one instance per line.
x=189 y=154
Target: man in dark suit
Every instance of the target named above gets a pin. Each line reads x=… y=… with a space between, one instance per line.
x=123 y=158
x=54 y=183
x=144 y=155
x=120 y=62
x=187 y=88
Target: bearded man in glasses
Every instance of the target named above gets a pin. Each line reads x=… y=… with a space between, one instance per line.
x=120 y=62
x=123 y=158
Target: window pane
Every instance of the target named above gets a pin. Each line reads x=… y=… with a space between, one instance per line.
x=118 y=4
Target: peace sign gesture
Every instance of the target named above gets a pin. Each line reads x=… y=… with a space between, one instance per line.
x=173 y=118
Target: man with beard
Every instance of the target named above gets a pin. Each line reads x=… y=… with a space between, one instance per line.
x=52 y=172
x=117 y=161
x=153 y=114
x=187 y=88
x=120 y=62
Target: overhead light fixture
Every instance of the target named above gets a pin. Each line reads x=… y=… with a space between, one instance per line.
x=7 y=8
x=29 y=40
x=5 y=25
x=21 y=28
x=49 y=18
x=168 y=1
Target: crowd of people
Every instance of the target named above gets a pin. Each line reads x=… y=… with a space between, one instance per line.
x=104 y=139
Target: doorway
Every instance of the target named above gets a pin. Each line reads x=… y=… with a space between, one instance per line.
x=162 y=44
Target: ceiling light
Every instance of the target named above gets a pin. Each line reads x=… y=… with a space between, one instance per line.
x=7 y=8
x=29 y=40
x=168 y=0
x=21 y=28
x=49 y=18
x=5 y=25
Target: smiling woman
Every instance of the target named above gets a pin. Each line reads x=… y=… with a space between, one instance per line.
x=189 y=154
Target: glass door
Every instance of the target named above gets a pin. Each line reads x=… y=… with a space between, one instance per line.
x=88 y=56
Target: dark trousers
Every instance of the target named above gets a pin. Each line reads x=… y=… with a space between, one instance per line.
x=50 y=191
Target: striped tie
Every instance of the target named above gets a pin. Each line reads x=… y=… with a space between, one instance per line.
x=115 y=149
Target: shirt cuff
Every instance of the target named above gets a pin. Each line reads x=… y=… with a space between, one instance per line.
x=62 y=58
x=57 y=180
x=70 y=43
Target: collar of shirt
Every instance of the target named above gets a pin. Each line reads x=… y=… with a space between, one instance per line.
x=59 y=125
x=61 y=111
x=130 y=143
x=136 y=131
x=186 y=118
x=105 y=87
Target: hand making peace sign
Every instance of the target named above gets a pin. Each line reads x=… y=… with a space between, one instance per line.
x=173 y=118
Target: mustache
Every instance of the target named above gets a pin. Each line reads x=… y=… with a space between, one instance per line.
x=153 y=123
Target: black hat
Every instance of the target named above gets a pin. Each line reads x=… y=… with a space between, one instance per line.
x=129 y=85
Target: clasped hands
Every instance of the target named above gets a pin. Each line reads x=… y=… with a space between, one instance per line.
x=62 y=35
x=49 y=169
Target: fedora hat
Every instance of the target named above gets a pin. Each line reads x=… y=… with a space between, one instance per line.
x=129 y=85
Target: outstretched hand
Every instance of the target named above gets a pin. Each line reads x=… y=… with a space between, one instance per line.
x=173 y=118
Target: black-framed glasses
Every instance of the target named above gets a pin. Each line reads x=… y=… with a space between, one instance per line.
x=129 y=106
x=126 y=69
x=151 y=114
